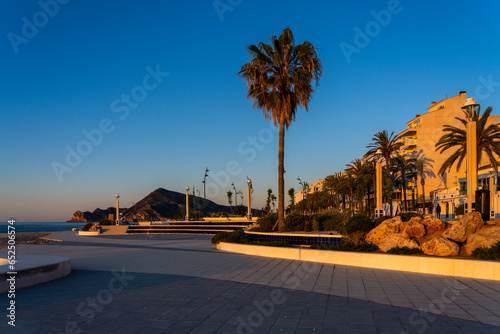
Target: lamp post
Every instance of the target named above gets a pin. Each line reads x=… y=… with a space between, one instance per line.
x=205 y=193
x=117 y=218
x=249 y=193
x=492 y=194
x=470 y=108
x=378 y=186
x=187 y=203
x=304 y=186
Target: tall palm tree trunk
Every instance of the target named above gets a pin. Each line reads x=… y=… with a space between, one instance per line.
x=281 y=179
x=405 y=206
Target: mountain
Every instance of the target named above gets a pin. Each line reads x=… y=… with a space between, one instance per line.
x=159 y=205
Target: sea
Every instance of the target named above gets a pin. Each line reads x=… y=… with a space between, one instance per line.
x=40 y=227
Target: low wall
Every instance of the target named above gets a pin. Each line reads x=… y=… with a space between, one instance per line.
x=419 y=264
x=297 y=238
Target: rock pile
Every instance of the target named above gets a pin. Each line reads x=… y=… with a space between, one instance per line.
x=430 y=235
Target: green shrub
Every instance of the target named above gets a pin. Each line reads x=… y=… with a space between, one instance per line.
x=381 y=219
x=329 y=220
x=87 y=227
x=295 y=222
x=487 y=253
x=267 y=222
x=235 y=237
x=459 y=210
x=105 y=222
x=357 y=223
x=406 y=216
x=405 y=250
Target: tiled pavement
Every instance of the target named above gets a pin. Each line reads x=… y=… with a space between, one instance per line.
x=182 y=284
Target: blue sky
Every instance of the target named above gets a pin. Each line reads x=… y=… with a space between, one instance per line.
x=70 y=68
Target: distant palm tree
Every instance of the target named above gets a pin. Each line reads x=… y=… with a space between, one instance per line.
x=279 y=79
x=230 y=199
x=402 y=165
x=487 y=140
x=420 y=168
x=387 y=145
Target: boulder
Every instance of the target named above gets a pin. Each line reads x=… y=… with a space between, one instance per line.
x=413 y=228
x=468 y=225
x=440 y=247
x=395 y=240
x=428 y=236
x=386 y=228
x=486 y=237
x=432 y=225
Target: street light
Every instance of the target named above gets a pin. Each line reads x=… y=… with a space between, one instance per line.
x=249 y=183
x=378 y=186
x=117 y=220
x=205 y=193
x=470 y=108
x=187 y=203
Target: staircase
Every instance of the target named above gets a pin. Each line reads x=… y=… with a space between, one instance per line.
x=200 y=227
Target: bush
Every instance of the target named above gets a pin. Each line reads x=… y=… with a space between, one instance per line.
x=459 y=210
x=405 y=250
x=381 y=219
x=105 y=222
x=87 y=227
x=238 y=237
x=406 y=216
x=487 y=253
x=357 y=223
x=329 y=220
x=267 y=222
x=295 y=222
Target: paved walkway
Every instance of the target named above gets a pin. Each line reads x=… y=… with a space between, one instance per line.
x=182 y=284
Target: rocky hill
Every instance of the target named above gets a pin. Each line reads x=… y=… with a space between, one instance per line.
x=161 y=204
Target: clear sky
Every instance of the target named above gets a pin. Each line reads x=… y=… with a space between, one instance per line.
x=106 y=97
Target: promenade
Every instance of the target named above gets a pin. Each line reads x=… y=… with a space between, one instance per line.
x=182 y=284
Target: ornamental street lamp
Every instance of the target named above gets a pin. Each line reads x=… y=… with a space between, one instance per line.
x=470 y=108
x=249 y=193
x=205 y=193
x=378 y=186
x=187 y=203
x=117 y=218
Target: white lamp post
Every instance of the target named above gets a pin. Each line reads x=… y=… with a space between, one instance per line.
x=378 y=176
x=117 y=218
x=470 y=108
x=249 y=214
x=187 y=203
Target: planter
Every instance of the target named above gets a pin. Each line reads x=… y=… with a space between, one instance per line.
x=88 y=233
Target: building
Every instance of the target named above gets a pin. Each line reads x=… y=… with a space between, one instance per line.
x=419 y=140
x=314 y=187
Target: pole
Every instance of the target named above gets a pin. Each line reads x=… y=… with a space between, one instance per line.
x=471 y=164
x=187 y=203
x=249 y=193
x=378 y=173
x=117 y=222
x=205 y=193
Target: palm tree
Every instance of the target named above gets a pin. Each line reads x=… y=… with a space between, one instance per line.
x=386 y=145
x=487 y=139
x=279 y=79
x=402 y=165
x=230 y=199
x=420 y=168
